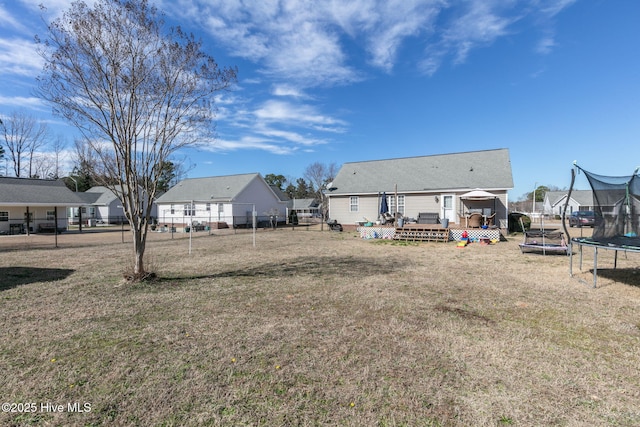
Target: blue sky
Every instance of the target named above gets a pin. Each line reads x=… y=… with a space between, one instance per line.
x=341 y=81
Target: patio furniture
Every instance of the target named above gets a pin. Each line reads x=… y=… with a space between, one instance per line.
x=474 y=220
x=428 y=218
x=490 y=219
x=387 y=218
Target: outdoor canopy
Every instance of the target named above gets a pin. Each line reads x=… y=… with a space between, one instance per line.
x=478 y=194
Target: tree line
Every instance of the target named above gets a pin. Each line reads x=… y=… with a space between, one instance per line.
x=28 y=148
x=315 y=178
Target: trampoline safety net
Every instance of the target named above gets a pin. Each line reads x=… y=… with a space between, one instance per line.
x=616 y=202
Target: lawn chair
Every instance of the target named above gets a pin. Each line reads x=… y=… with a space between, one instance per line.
x=387 y=218
x=474 y=220
x=491 y=219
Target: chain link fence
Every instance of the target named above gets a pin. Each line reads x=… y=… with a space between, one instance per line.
x=46 y=233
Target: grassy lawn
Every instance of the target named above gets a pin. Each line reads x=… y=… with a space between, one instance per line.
x=310 y=328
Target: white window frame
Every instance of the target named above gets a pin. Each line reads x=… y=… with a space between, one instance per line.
x=354 y=204
x=392 y=204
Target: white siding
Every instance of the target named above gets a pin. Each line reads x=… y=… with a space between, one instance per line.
x=38 y=215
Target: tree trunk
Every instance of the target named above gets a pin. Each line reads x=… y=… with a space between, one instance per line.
x=138 y=232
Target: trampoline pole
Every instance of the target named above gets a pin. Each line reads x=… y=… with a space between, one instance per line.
x=571 y=259
x=595 y=266
x=580 y=257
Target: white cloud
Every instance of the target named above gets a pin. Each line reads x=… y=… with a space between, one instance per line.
x=310 y=43
x=288 y=90
x=479 y=26
x=289 y=136
x=553 y=7
x=7 y=20
x=545 y=45
x=21 y=101
x=294 y=114
x=248 y=143
x=19 y=56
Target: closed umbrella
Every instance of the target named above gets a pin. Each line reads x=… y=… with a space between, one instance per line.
x=384 y=207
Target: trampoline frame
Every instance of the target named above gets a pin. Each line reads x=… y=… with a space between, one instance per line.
x=582 y=243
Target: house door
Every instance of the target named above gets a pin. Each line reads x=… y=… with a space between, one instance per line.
x=447 y=207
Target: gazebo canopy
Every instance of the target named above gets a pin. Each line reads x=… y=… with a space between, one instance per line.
x=478 y=194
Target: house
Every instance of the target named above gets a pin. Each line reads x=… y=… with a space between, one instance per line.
x=34 y=205
x=436 y=186
x=221 y=201
x=305 y=209
x=580 y=200
x=101 y=206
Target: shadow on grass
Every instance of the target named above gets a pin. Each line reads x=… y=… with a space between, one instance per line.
x=307 y=266
x=628 y=276
x=16 y=276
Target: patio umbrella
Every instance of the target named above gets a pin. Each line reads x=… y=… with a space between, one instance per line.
x=384 y=207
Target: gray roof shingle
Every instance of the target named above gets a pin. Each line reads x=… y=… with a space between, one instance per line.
x=217 y=188
x=488 y=169
x=36 y=192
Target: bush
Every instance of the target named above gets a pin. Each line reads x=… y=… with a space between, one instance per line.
x=514 y=222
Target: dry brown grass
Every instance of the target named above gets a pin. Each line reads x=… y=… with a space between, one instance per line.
x=312 y=328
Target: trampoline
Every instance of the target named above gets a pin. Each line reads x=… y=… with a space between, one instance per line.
x=544 y=242
x=616 y=201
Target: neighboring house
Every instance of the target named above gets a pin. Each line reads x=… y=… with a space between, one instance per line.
x=305 y=209
x=101 y=205
x=435 y=184
x=33 y=205
x=221 y=201
x=580 y=200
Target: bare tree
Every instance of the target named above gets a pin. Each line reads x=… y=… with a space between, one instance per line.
x=319 y=175
x=138 y=94
x=23 y=136
x=47 y=164
x=58 y=146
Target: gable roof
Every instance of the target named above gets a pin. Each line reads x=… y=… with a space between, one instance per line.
x=98 y=195
x=217 y=188
x=36 y=192
x=582 y=197
x=488 y=169
x=309 y=203
x=278 y=192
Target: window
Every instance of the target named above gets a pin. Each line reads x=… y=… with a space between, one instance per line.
x=392 y=204
x=173 y=209
x=51 y=215
x=353 y=203
x=208 y=208
x=4 y=216
x=188 y=209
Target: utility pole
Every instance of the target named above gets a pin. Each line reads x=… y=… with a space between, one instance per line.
x=533 y=204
